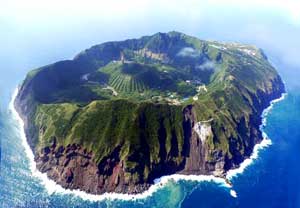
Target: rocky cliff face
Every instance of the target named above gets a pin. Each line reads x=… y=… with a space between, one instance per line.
x=196 y=149
x=197 y=160
x=121 y=145
x=74 y=167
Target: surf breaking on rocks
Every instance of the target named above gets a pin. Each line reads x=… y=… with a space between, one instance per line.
x=53 y=188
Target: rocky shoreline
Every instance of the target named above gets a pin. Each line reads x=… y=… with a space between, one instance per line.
x=73 y=167
x=86 y=137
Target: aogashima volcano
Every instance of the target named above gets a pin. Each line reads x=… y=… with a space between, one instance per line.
x=121 y=114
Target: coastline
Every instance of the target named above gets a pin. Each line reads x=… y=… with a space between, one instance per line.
x=52 y=187
x=266 y=141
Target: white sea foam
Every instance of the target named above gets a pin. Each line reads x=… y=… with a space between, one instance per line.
x=52 y=187
x=233 y=193
x=263 y=144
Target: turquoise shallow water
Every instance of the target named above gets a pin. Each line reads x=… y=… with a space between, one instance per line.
x=271 y=181
x=20 y=189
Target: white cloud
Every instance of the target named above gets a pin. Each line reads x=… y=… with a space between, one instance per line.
x=206 y=65
x=188 y=52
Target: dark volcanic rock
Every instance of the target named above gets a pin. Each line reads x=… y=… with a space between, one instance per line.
x=164 y=138
x=78 y=170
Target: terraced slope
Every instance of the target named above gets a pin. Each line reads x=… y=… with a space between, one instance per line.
x=121 y=114
x=132 y=77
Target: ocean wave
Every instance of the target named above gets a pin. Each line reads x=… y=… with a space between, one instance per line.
x=233 y=193
x=263 y=144
x=53 y=188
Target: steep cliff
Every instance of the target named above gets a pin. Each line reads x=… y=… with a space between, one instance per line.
x=121 y=114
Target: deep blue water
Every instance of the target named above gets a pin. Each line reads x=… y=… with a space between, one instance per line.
x=273 y=180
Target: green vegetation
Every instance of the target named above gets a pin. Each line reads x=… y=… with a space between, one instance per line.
x=131 y=94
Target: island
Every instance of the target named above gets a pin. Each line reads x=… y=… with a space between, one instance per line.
x=123 y=113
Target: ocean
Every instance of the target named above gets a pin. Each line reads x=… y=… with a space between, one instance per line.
x=271 y=178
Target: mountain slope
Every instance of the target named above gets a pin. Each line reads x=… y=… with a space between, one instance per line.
x=121 y=114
